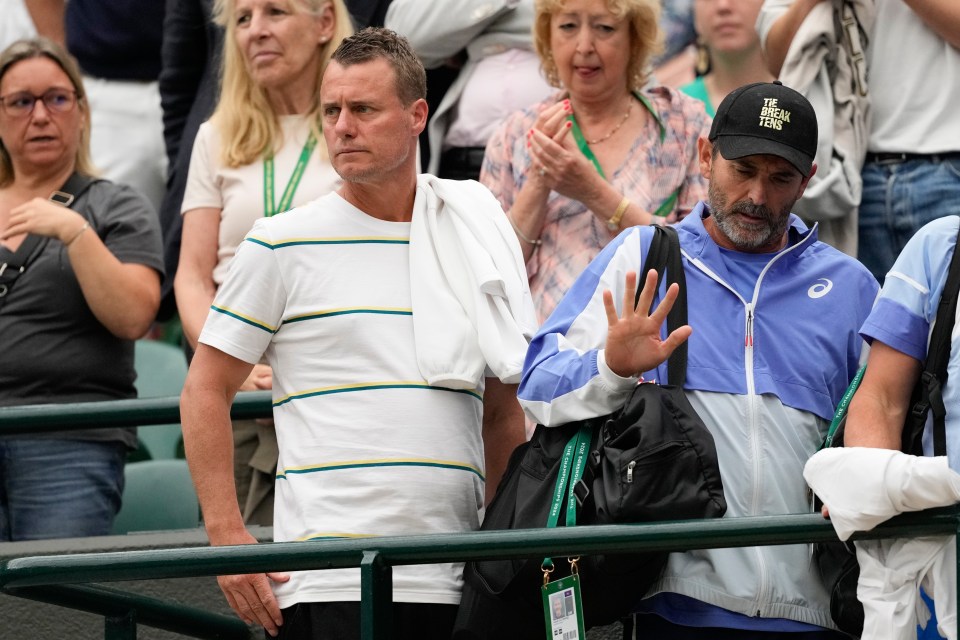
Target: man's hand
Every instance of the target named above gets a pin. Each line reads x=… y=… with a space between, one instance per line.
x=633 y=339
x=250 y=594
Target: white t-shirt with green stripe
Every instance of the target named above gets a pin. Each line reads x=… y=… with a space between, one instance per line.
x=367 y=448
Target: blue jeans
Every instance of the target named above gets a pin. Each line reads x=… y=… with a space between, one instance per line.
x=898 y=199
x=51 y=488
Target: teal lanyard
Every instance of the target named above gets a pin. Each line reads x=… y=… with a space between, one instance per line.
x=270 y=208
x=667 y=205
x=572 y=464
x=584 y=146
x=842 y=407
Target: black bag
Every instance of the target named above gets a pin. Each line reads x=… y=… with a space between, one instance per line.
x=652 y=460
x=837 y=560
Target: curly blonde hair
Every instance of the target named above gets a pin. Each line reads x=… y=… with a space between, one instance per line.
x=248 y=126
x=44 y=48
x=646 y=40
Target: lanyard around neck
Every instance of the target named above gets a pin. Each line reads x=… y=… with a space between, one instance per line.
x=270 y=207
x=667 y=205
x=585 y=146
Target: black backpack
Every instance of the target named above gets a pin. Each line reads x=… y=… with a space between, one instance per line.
x=652 y=460
x=837 y=560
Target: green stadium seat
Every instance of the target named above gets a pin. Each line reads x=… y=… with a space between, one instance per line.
x=161 y=370
x=158 y=495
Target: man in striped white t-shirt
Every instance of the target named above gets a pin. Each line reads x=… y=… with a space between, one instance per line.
x=368 y=446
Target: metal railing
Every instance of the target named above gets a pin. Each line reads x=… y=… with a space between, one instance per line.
x=117 y=413
x=33 y=577
x=63 y=579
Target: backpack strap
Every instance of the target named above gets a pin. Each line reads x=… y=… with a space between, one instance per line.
x=13 y=268
x=928 y=394
x=664 y=256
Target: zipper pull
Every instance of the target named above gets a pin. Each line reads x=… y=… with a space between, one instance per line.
x=748 y=342
x=630 y=467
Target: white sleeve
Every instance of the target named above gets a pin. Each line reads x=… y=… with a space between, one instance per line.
x=248 y=308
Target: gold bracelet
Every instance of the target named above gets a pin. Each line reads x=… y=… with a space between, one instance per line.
x=523 y=237
x=86 y=225
x=614 y=223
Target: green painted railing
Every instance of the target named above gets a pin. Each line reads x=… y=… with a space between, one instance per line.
x=32 y=577
x=117 y=413
x=63 y=579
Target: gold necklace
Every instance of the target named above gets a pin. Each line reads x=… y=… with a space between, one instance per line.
x=616 y=128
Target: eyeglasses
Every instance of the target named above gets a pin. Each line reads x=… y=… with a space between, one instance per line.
x=20 y=105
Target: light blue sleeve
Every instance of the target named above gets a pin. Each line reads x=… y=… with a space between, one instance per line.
x=911 y=292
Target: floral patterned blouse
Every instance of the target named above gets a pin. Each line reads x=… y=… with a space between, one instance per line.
x=661 y=164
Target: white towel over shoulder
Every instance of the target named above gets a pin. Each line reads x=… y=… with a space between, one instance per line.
x=472 y=308
x=864 y=487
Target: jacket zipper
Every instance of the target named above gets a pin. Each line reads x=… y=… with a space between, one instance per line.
x=754 y=427
x=763 y=586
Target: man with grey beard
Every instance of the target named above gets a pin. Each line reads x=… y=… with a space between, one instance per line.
x=773 y=315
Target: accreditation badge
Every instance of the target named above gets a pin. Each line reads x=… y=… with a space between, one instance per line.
x=562 y=609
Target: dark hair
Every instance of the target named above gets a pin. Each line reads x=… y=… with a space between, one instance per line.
x=374 y=43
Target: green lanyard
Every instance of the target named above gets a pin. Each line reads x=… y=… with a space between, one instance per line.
x=667 y=205
x=842 y=407
x=572 y=464
x=269 y=206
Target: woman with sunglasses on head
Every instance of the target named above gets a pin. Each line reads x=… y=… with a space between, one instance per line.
x=85 y=258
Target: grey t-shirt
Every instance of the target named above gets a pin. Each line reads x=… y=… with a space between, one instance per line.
x=52 y=347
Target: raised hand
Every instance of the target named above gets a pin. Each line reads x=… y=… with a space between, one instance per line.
x=633 y=338
x=557 y=161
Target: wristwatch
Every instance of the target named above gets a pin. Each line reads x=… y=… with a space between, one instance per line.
x=614 y=223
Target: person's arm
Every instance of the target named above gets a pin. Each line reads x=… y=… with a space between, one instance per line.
x=942 y=16
x=124 y=296
x=194 y=286
x=47 y=16
x=503 y=430
x=568 y=172
x=586 y=359
x=208 y=393
x=879 y=407
x=525 y=207
x=782 y=32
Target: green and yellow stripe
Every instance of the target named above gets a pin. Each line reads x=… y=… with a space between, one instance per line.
x=381 y=462
x=371 y=386
x=253 y=322
x=329 y=313
x=335 y=536
x=297 y=242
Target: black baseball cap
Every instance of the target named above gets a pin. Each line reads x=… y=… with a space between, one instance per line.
x=766 y=118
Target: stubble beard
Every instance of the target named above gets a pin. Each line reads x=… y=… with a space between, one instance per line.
x=746 y=238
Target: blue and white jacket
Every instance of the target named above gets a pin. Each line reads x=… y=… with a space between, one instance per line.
x=764 y=374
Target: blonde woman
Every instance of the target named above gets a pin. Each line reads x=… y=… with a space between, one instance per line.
x=260 y=154
x=604 y=153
